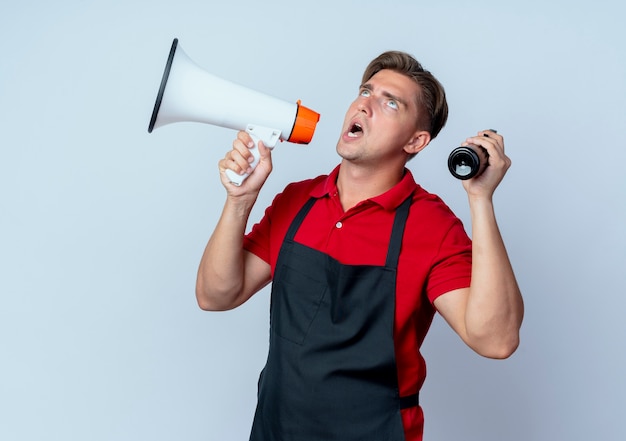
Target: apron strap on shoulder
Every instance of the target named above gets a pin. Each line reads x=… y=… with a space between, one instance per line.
x=395 y=242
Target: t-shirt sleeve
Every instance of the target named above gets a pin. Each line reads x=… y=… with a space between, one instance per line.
x=257 y=241
x=452 y=267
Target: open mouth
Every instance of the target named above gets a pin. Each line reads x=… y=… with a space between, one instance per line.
x=355 y=130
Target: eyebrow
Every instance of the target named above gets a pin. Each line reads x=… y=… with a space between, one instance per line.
x=386 y=94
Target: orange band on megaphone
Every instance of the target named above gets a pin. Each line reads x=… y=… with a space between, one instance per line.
x=304 y=125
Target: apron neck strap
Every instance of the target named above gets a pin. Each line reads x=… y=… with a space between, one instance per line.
x=395 y=243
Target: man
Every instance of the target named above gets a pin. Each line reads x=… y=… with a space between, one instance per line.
x=359 y=262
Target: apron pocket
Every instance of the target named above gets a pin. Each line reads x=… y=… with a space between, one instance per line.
x=296 y=299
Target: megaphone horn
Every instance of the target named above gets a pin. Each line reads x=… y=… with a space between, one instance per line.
x=190 y=94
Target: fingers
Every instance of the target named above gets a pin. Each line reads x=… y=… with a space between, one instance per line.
x=489 y=139
x=239 y=158
x=498 y=163
x=493 y=135
x=246 y=166
x=493 y=142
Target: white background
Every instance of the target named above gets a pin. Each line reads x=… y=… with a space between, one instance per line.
x=102 y=224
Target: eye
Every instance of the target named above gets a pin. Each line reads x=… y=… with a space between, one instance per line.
x=393 y=104
x=365 y=92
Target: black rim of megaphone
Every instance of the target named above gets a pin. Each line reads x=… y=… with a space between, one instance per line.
x=166 y=74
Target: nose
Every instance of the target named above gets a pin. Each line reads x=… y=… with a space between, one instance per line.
x=363 y=106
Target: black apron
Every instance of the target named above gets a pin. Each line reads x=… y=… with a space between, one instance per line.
x=331 y=372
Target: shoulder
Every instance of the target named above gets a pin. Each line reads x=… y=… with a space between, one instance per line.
x=286 y=204
x=433 y=224
x=266 y=236
x=296 y=193
x=429 y=207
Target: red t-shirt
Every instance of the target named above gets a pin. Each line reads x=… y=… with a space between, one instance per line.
x=435 y=257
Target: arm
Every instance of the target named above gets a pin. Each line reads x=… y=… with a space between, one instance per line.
x=488 y=314
x=228 y=275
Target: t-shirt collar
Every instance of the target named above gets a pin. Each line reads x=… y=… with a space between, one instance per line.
x=390 y=200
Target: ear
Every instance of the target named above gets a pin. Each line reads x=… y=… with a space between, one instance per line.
x=418 y=141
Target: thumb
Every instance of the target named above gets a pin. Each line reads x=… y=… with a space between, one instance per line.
x=265 y=153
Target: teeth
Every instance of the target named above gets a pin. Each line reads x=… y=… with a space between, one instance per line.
x=356 y=128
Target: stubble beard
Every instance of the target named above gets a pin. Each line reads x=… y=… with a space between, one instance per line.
x=349 y=152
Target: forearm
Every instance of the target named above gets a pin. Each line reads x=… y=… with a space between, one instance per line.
x=221 y=272
x=227 y=275
x=494 y=310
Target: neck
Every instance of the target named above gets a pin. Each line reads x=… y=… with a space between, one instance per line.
x=356 y=184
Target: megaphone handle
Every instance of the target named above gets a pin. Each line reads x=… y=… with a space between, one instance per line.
x=257 y=133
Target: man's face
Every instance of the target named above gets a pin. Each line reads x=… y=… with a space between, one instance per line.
x=382 y=121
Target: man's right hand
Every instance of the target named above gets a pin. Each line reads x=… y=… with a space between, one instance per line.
x=238 y=160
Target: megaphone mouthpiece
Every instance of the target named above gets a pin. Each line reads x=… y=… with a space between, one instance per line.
x=304 y=125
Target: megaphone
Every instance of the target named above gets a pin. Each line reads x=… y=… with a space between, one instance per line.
x=190 y=94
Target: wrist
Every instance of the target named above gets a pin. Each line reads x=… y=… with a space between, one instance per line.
x=480 y=199
x=481 y=204
x=240 y=205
